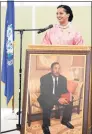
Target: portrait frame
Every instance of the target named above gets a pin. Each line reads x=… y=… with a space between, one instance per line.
x=65 y=50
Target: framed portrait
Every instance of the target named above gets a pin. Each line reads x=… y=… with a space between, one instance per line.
x=75 y=66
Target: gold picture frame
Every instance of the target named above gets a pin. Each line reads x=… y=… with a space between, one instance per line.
x=55 y=50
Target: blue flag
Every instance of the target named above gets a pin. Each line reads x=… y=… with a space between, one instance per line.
x=8 y=53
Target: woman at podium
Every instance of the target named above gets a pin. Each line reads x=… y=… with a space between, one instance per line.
x=63 y=33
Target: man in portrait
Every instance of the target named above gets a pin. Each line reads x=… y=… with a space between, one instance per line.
x=53 y=87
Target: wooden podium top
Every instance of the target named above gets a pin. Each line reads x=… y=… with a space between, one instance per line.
x=55 y=49
x=58 y=47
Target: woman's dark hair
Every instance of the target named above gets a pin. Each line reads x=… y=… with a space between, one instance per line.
x=67 y=10
x=53 y=64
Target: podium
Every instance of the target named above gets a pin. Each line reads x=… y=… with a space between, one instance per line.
x=37 y=63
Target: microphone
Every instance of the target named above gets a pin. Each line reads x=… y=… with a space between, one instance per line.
x=44 y=29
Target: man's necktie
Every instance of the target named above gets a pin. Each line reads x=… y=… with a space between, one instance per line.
x=55 y=84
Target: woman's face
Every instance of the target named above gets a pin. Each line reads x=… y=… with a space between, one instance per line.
x=62 y=16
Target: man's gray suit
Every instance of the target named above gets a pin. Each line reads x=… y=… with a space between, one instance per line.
x=47 y=99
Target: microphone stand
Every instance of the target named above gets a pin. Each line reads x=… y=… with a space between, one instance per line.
x=20 y=74
x=20 y=71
